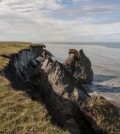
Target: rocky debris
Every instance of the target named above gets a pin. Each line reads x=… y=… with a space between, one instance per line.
x=102 y=115
x=79 y=65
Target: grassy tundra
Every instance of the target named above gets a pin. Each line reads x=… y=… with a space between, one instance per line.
x=18 y=113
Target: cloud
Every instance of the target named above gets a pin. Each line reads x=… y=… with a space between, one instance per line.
x=91 y=9
x=39 y=20
x=34 y=4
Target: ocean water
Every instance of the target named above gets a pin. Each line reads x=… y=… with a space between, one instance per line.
x=105 y=59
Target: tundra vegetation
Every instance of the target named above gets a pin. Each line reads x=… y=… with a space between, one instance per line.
x=19 y=114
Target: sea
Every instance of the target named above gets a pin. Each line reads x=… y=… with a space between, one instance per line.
x=105 y=59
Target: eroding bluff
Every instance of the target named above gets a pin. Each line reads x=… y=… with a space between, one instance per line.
x=79 y=65
x=59 y=86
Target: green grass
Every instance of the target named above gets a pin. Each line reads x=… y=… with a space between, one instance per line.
x=7 y=48
x=18 y=113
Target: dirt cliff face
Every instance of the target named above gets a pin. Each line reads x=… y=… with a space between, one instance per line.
x=33 y=71
x=57 y=87
x=22 y=64
x=69 y=100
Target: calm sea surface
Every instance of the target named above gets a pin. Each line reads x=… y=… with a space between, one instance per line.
x=105 y=58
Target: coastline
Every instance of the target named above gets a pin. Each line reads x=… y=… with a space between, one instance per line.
x=106 y=79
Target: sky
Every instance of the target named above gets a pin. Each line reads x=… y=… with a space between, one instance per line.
x=60 y=20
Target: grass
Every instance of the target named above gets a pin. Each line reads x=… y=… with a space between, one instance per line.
x=18 y=113
x=7 y=48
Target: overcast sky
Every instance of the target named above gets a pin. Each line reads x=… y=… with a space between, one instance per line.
x=60 y=20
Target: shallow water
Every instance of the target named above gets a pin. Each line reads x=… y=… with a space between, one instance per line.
x=105 y=60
